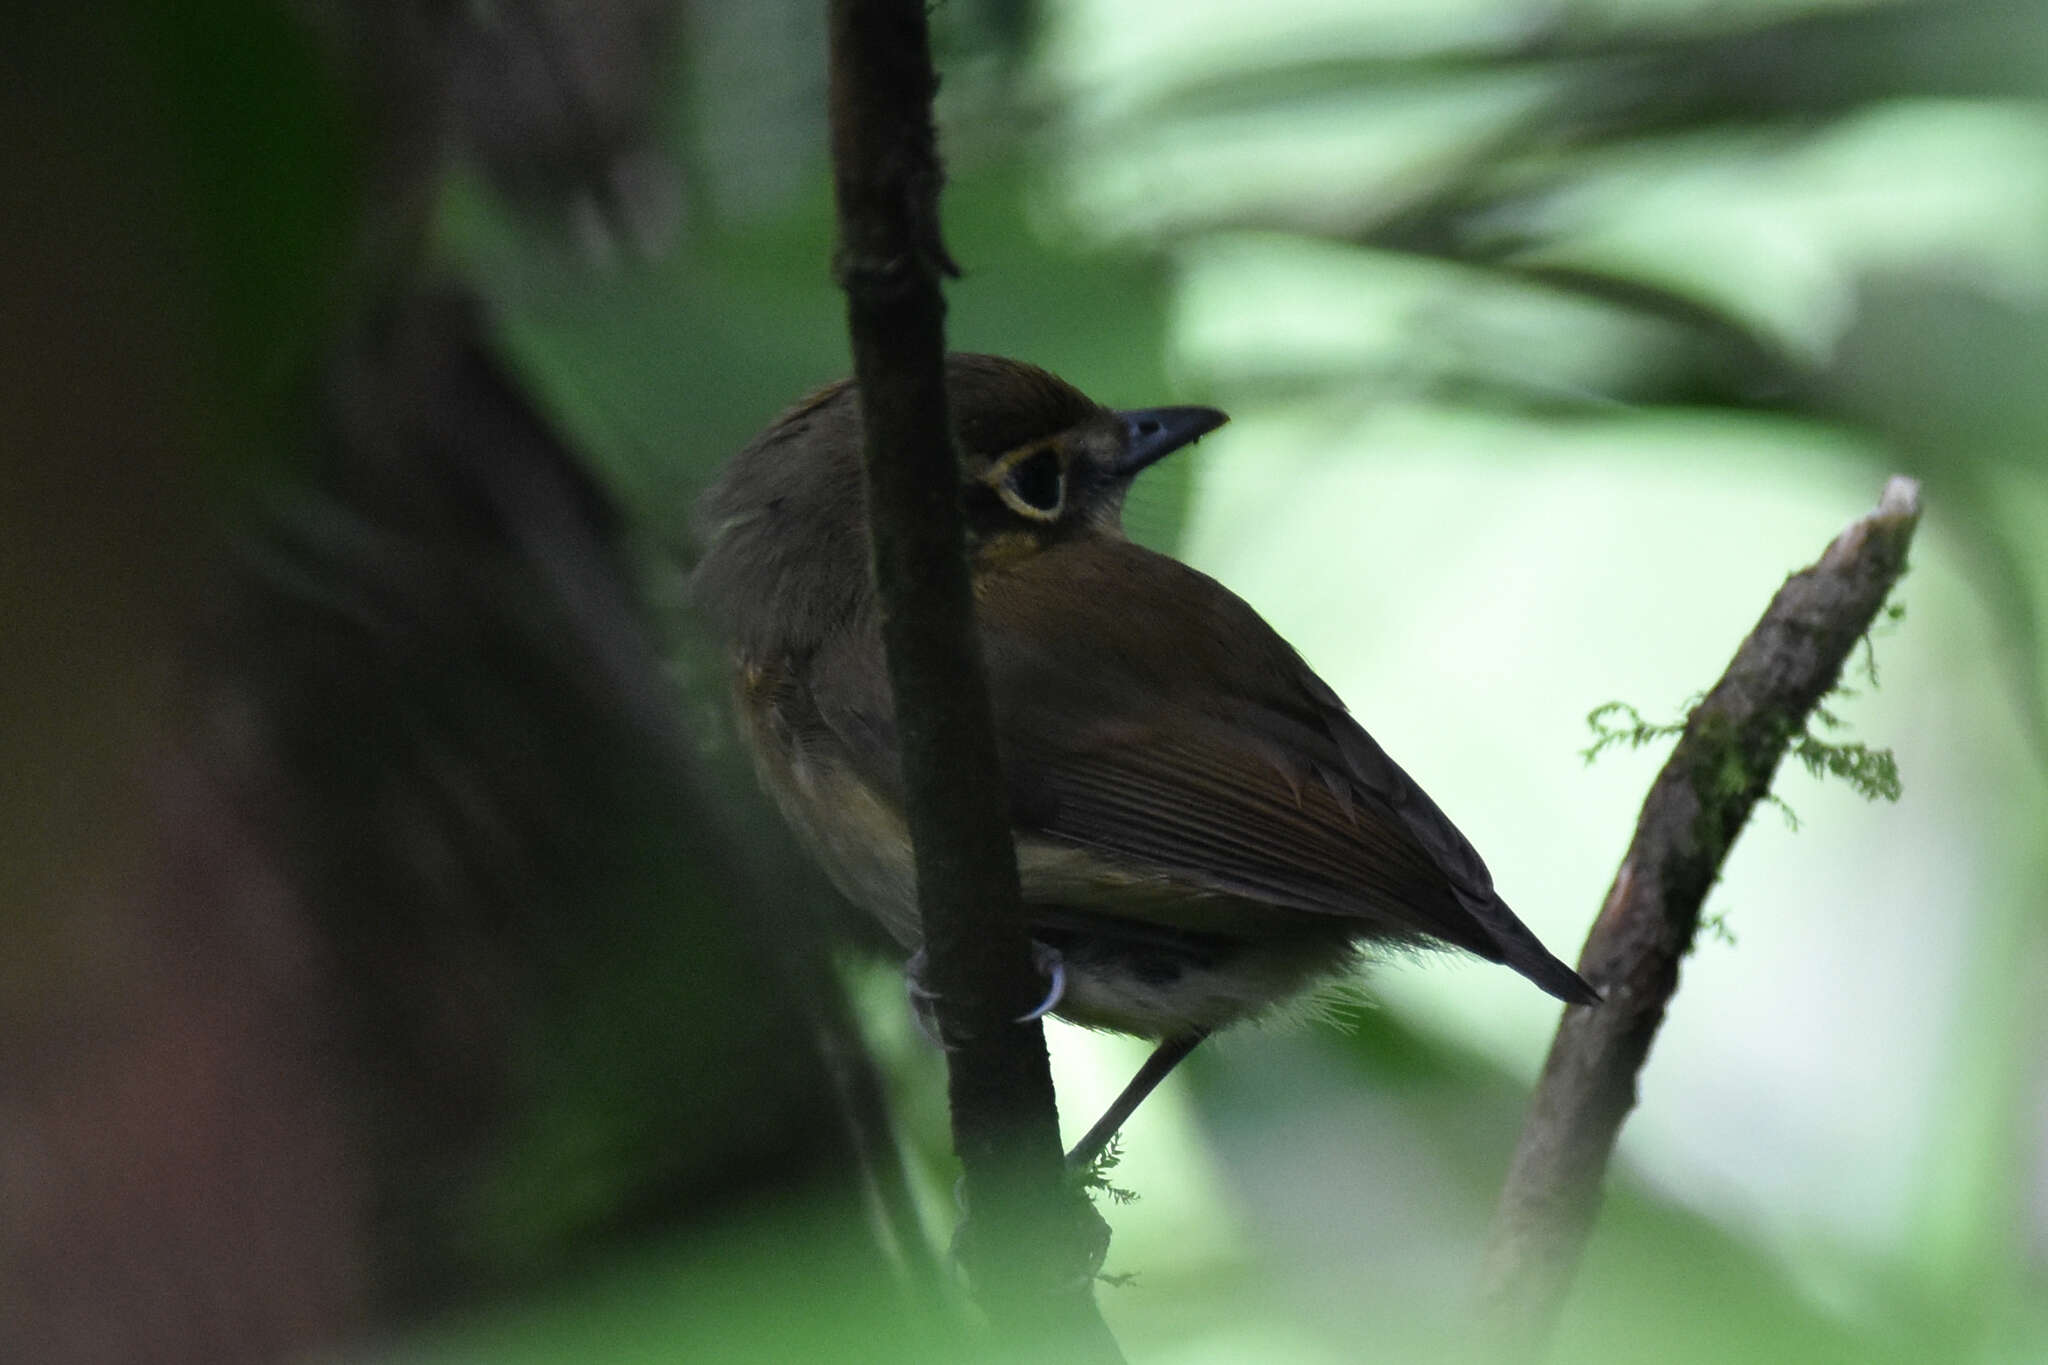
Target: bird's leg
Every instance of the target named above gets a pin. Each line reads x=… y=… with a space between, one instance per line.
x=1164 y=1059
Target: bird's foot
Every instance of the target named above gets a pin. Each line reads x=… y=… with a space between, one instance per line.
x=924 y=1000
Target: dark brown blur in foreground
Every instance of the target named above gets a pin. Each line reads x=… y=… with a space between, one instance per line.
x=370 y=940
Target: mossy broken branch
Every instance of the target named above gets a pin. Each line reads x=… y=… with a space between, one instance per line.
x=1722 y=766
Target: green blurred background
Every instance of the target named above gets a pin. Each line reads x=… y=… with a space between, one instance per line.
x=1554 y=336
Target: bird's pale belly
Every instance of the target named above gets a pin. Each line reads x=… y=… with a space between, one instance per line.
x=1171 y=983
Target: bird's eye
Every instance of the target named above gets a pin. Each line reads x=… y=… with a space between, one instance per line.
x=1035 y=484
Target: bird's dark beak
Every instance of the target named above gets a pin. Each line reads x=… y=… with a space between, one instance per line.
x=1151 y=434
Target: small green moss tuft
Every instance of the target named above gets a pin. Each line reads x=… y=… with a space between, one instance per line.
x=1716 y=927
x=1093 y=1179
x=1784 y=808
x=1887 y=621
x=1634 y=733
x=1873 y=773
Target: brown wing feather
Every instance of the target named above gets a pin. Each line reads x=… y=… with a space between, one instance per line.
x=1148 y=714
x=1190 y=799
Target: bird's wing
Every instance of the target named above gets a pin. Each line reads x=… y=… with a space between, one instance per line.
x=1149 y=716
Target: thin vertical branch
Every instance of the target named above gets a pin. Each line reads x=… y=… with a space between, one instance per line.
x=1030 y=1255
x=1722 y=766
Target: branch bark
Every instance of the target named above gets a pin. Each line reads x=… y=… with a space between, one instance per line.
x=1722 y=766
x=1035 y=1243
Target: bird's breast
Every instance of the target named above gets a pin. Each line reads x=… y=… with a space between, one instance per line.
x=858 y=838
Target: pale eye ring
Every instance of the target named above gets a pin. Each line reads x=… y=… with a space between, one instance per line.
x=1034 y=484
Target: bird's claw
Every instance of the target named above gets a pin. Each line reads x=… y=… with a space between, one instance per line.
x=923 y=1000
x=1054 y=968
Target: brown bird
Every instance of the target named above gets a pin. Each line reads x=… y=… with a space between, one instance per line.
x=1202 y=829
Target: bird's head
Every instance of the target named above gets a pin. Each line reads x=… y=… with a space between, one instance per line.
x=1041 y=462
x=784 y=529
